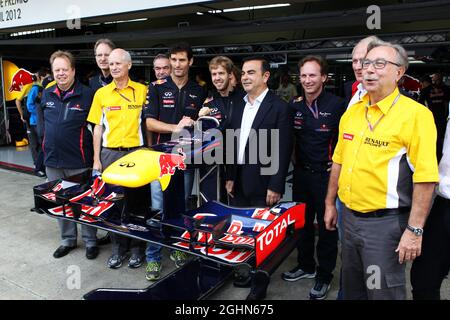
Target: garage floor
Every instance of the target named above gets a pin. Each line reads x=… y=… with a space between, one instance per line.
x=29 y=271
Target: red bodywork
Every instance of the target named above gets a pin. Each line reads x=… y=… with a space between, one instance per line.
x=168 y=163
x=21 y=78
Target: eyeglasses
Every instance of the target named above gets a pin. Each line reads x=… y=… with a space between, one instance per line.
x=377 y=64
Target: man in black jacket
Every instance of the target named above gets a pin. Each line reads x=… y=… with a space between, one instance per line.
x=220 y=105
x=67 y=141
x=263 y=149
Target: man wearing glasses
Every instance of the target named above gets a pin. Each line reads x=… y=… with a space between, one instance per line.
x=384 y=169
x=102 y=50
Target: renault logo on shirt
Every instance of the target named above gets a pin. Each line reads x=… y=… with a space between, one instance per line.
x=375 y=142
x=134 y=106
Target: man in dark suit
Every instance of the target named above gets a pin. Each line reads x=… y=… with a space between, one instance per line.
x=263 y=127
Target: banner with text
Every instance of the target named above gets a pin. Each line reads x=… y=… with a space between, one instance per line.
x=18 y=13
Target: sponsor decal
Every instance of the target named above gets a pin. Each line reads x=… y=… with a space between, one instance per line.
x=169 y=162
x=348 y=136
x=325 y=114
x=275 y=233
x=168 y=94
x=193 y=96
x=114 y=108
x=376 y=142
x=96 y=211
x=134 y=106
x=127 y=164
x=323 y=128
x=168 y=101
x=76 y=107
x=232 y=255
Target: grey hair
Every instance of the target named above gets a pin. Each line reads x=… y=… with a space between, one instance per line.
x=365 y=41
x=127 y=56
x=402 y=56
x=161 y=56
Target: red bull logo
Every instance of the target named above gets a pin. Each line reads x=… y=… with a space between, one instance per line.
x=21 y=78
x=169 y=162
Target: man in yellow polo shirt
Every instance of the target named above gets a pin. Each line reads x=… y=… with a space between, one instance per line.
x=116 y=112
x=384 y=170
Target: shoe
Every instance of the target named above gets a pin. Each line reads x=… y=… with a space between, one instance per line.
x=153 y=271
x=260 y=282
x=104 y=240
x=41 y=174
x=92 y=252
x=319 y=291
x=180 y=258
x=62 y=251
x=243 y=281
x=296 y=274
x=135 y=261
x=115 y=261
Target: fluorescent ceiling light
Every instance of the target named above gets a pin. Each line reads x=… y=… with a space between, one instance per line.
x=269 y=6
x=126 y=21
x=24 y=33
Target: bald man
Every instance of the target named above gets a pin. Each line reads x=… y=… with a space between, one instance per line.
x=118 y=107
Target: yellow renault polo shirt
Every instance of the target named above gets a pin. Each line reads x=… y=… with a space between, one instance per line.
x=119 y=111
x=379 y=166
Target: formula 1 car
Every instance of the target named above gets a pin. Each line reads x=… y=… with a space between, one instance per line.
x=220 y=237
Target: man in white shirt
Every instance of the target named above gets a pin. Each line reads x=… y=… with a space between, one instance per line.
x=258 y=174
x=430 y=268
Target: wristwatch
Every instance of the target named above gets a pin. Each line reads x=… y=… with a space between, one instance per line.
x=417 y=231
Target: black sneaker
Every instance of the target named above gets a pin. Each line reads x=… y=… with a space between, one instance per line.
x=296 y=274
x=135 y=261
x=319 y=291
x=115 y=261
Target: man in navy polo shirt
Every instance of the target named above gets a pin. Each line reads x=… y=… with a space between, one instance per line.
x=172 y=104
x=316 y=125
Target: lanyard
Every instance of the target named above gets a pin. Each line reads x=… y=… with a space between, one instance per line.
x=372 y=127
x=314 y=111
x=125 y=97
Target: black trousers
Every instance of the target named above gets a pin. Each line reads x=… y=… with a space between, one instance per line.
x=242 y=200
x=310 y=187
x=430 y=268
x=36 y=149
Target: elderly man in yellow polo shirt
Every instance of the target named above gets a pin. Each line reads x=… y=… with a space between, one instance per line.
x=384 y=170
x=116 y=112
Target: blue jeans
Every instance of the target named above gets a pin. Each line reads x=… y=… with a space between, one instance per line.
x=153 y=251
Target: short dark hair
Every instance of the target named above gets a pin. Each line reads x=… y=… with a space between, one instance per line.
x=182 y=47
x=264 y=63
x=425 y=78
x=42 y=72
x=320 y=61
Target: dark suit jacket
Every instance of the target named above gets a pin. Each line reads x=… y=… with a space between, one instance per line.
x=273 y=113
